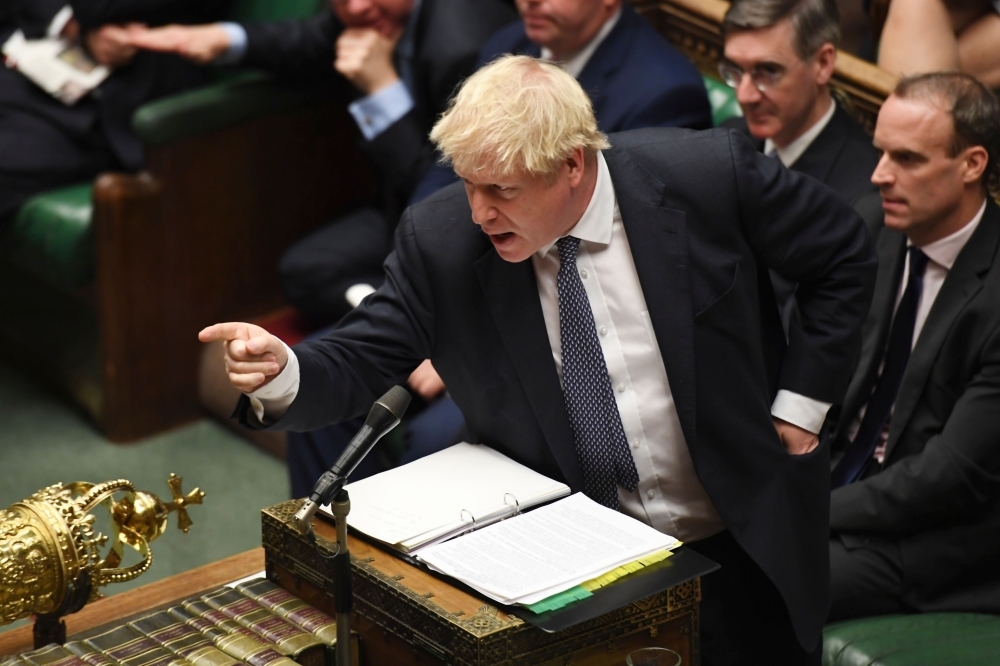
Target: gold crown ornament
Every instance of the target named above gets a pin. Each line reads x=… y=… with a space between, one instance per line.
x=50 y=555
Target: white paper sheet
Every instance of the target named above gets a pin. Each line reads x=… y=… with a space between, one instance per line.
x=60 y=68
x=546 y=551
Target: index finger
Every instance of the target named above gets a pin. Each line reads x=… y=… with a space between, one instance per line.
x=227 y=331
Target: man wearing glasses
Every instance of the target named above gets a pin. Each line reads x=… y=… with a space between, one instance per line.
x=779 y=56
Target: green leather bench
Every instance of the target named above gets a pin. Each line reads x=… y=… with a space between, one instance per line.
x=722 y=98
x=113 y=279
x=927 y=639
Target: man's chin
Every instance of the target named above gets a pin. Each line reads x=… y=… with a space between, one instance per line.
x=761 y=129
x=510 y=248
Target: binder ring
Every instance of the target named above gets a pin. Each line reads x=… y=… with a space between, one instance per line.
x=463 y=512
x=517 y=505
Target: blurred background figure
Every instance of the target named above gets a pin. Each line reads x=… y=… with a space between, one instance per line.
x=779 y=56
x=404 y=57
x=45 y=143
x=939 y=35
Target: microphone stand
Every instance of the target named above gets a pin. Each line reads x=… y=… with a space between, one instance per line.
x=385 y=415
x=343 y=595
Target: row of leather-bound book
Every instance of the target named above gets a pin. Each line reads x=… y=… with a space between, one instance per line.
x=255 y=623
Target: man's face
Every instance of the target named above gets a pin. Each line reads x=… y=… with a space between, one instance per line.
x=921 y=184
x=385 y=16
x=522 y=214
x=564 y=26
x=785 y=110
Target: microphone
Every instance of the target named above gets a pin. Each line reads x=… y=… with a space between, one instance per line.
x=385 y=415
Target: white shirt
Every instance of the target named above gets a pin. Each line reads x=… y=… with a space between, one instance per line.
x=669 y=496
x=942 y=254
x=574 y=65
x=793 y=151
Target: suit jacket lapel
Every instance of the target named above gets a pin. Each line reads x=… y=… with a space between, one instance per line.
x=964 y=280
x=512 y=295
x=657 y=236
x=609 y=56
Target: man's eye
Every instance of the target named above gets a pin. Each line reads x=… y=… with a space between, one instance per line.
x=768 y=74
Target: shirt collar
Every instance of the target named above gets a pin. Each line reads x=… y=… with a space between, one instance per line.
x=793 y=151
x=596 y=223
x=574 y=65
x=945 y=251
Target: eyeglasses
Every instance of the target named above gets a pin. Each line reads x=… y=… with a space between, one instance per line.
x=763 y=76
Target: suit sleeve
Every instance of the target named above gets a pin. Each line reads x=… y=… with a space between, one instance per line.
x=805 y=231
x=377 y=345
x=403 y=152
x=294 y=48
x=955 y=476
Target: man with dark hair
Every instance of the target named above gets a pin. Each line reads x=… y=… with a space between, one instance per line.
x=779 y=55
x=915 y=510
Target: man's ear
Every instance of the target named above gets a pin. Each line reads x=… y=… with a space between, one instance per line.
x=974 y=164
x=578 y=166
x=826 y=61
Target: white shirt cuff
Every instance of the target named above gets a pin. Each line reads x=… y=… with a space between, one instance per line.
x=377 y=112
x=237 y=44
x=799 y=410
x=271 y=401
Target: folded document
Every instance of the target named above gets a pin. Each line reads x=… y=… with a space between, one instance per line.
x=547 y=551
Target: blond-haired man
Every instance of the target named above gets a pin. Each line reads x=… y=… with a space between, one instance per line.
x=595 y=312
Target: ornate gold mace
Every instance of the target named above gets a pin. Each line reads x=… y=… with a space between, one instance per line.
x=50 y=555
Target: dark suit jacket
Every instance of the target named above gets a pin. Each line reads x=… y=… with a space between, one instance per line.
x=843 y=158
x=449 y=34
x=44 y=143
x=938 y=493
x=635 y=79
x=702 y=211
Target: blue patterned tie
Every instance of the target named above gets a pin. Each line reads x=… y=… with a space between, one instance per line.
x=601 y=446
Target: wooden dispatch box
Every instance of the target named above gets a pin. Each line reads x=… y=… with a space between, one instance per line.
x=406 y=616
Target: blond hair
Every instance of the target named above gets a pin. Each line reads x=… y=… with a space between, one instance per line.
x=517 y=115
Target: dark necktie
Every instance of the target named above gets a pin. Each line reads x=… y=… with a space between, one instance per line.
x=859 y=453
x=601 y=446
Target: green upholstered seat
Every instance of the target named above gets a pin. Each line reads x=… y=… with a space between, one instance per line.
x=722 y=98
x=51 y=236
x=927 y=639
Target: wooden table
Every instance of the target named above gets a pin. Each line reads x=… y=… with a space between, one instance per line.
x=409 y=617
x=148 y=597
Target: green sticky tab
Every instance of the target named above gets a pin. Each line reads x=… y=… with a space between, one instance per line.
x=559 y=600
